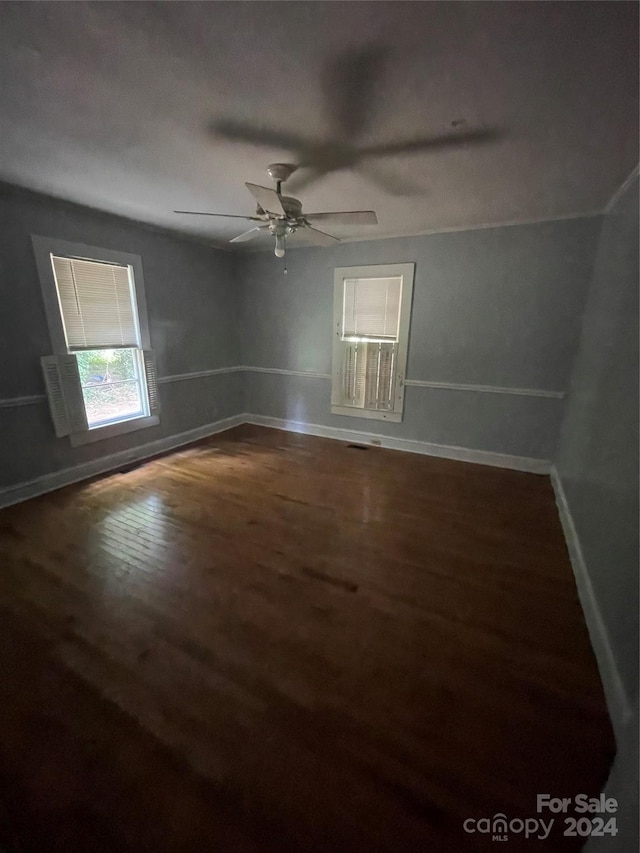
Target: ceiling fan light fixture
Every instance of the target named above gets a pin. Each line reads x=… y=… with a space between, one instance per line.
x=280 y=246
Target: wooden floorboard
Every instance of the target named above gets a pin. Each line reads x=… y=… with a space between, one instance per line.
x=270 y=641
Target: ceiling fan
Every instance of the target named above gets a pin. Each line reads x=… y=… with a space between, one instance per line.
x=282 y=215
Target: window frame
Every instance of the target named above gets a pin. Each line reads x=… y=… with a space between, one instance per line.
x=44 y=248
x=407 y=271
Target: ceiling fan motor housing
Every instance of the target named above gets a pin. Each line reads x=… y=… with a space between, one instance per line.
x=292 y=206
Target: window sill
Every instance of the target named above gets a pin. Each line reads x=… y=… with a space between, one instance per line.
x=355 y=412
x=112 y=430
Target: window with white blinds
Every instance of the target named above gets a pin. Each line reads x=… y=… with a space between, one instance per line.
x=101 y=379
x=371 y=316
x=97 y=304
x=372 y=308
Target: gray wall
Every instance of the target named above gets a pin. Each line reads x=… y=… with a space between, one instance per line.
x=492 y=307
x=597 y=462
x=192 y=307
x=597 y=459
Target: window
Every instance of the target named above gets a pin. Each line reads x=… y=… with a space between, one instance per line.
x=372 y=308
x=101 y=380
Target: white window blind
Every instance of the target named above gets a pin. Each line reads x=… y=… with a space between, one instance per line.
x=97 y=304
x=372 y=308
x=368 y=374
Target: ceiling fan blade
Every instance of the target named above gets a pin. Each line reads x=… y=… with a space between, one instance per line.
x=268 y=199
x=313 y=235
x=249 y=235
x=445 y=140
x=345 y=217
x=226 y=215
x=238 y=132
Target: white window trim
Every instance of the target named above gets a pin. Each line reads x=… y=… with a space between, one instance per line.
x=372 y=271
x=43 y=248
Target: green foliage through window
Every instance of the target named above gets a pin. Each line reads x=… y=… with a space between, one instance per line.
x=110 y=384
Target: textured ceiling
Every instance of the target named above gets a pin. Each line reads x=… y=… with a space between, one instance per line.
x=112 y=104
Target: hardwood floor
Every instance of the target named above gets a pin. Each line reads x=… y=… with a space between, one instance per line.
x=277 y=642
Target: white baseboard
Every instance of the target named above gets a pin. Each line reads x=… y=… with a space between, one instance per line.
x=462 y=454
x=49 y=482
x=615 y=693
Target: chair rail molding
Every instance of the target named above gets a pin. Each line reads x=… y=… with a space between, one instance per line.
x=32 y=399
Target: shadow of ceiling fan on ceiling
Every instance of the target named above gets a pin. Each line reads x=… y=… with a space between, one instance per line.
x=351 y=86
